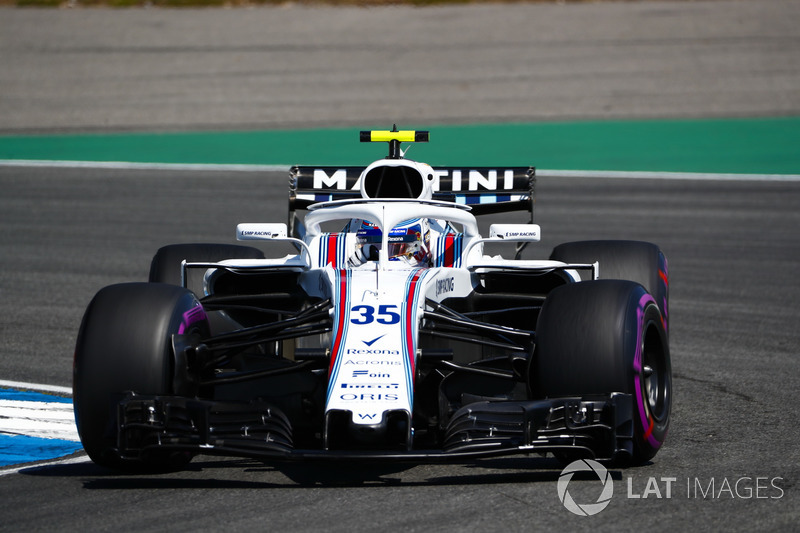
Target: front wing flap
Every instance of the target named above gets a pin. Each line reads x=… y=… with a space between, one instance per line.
x=599 y=427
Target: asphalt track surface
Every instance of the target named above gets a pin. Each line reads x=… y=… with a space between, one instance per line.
x=293 y=66
x=732 y=246
x=732 y=250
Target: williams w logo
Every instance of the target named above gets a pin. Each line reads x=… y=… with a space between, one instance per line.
x=585 y=509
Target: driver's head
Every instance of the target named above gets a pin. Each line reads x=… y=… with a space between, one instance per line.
x=409 y=241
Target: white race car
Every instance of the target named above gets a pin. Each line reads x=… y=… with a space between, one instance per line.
x=386 y=335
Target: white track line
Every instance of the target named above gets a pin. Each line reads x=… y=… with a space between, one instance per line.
x=126 y=165
x=35 y=387
x=67 y=461
x=545 y=173
x=695 y=176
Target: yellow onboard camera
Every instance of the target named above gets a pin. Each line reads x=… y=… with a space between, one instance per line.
x=394 y=138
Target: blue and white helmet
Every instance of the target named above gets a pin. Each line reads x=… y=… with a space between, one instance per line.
x=409 y=242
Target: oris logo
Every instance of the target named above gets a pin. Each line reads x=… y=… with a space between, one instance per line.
x=370 y=397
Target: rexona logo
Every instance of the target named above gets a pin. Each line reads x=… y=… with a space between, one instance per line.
x=585 y=509
x=356 y=351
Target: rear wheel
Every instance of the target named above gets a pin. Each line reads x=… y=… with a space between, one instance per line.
x=166 y=264
x=125 y=344
x=605 y=336
x=166 y=268
x=642 y=262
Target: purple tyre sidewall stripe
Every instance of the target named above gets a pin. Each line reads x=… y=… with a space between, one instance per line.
x=644 y=416
x=192 y=316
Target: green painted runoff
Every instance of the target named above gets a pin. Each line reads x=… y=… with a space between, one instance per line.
x=740 y=145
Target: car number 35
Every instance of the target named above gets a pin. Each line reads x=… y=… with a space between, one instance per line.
x=366 y=314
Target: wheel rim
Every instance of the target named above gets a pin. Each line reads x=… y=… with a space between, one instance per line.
x=655 y=375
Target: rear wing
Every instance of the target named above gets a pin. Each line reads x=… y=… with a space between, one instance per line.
x=485 y=189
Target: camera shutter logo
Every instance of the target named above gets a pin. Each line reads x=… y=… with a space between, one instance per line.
x=585 y=509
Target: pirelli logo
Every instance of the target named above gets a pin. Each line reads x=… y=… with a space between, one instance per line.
x=393 y=386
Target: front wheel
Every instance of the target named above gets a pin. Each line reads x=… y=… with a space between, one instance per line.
x=125 y=345
x=605 y=336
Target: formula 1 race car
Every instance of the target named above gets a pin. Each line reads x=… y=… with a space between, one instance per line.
x=387 y=334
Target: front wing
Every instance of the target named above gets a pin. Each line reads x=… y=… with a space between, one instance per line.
x=599 y=427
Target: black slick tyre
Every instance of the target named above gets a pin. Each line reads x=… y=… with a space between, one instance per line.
x=642 y=262
x=605 y=336
x=125 y=344
x=166 y=264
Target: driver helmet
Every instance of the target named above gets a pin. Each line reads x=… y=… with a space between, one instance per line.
x=409 y=241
